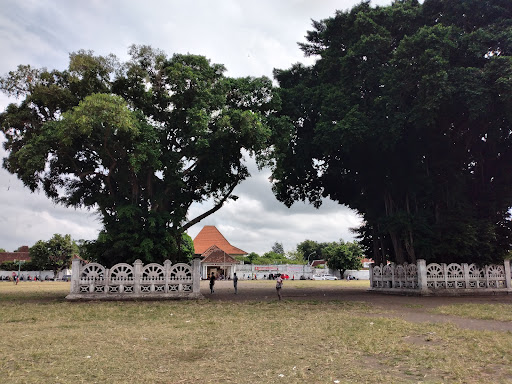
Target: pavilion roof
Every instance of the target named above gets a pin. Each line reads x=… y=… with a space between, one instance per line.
x=216 y=255
x=209 y=236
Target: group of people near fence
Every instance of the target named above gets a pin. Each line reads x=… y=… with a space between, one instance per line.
x=17 y=278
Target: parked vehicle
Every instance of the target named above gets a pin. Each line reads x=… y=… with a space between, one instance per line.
x=324 y=276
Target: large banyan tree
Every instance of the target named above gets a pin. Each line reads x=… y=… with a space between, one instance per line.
x=406 y=118
x=139 y=141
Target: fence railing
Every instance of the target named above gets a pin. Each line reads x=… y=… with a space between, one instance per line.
x=123 y=281
x=441 y=279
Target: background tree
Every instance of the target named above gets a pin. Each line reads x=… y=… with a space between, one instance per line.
x=406 y=118
x=55 y=254
x=252 y=258
x=295 y=257
x=278 y=248
x=139 y=141
x=39 y=255
x=343 y=256
x=273 y=258
x=2 y=250
x=311 y=250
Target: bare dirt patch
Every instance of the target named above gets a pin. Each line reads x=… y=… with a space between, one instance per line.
x=409 y=308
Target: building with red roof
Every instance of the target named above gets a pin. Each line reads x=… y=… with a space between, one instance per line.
x=218 y=255
x=22 y=254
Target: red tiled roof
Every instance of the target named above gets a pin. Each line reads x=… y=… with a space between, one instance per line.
x=216 y=255
x=314 y=263
x=209 y=236
x=11 y=256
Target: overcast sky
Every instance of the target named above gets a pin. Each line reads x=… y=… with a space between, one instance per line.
x=250 y=38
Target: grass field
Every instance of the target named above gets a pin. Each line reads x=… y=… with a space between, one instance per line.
x=49 y=340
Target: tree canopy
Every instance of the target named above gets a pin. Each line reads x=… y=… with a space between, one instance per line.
x=54 y=254
x=278 y=248
x=343 y=256
x=139 y=141
x=311 y=250
x=406 y=118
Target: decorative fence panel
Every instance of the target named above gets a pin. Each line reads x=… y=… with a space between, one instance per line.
x=441 y=279
x=124 y=282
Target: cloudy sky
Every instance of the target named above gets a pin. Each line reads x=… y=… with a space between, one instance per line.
x=250 y=38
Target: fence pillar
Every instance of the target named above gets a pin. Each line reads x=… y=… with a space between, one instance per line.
x=507 y=273
x=75 y=275
x=371 y=275
x=196 y=274
x=465 y=270
x=106 y=278
x=421 y=265
x=167 y=274
x=137 y=275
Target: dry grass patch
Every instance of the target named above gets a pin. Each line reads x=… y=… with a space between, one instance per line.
x=237 y=342
x=499 y=312
x=33 y=291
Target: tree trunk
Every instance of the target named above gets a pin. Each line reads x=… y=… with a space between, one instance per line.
x=408 y=240
x=376 y=255
x=397 y=247
x=383 y=252
x=409 y=246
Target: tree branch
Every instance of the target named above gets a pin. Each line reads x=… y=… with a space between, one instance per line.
x=209 y=212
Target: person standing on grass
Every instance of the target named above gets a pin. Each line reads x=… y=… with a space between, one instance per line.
x=212 y=282
x=235 y=282
x=279 y=285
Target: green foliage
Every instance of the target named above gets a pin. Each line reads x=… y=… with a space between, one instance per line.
x=54 y=254
x=311 y=250
x=252 y=258
x=139 y=141
x=2 y=250
x=295 y=257
x=406 y=118
x=273 y=258
x=40 y=255
x=278 y=248
x=187 y=247
x=268 y=258
x=13 y=266
x=342 y=256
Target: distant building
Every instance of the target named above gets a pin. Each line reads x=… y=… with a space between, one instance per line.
x=21 y=254
x=366 y=262
x=318 y=264
x=218 y=255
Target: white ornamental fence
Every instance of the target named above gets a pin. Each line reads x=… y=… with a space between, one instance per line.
x=441 y=279
x=123 y=281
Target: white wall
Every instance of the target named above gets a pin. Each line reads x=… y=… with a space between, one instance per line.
x=40 y=274
x=244 y=271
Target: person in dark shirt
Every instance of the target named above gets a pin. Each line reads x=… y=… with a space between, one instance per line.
x=212 y=282
x=235 y=282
